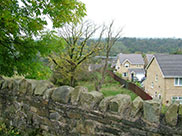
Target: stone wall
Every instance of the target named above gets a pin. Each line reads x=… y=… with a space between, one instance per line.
x=31 y=105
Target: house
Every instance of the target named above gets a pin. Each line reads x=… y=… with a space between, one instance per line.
x=164 y=78
x=129 y=64
x=99 y=62
x=148 y=58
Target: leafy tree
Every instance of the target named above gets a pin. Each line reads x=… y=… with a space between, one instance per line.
x=146 y=45
x=178 y=51
x=21 y=21
x=67 y=63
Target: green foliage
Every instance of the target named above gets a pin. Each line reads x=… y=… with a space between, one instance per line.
x=20 y=22
x=5 y=131
x=138 y=84
x=147 y=45
x=109 y=88
x=164 y=109
x=178 y=51
x=67 y=63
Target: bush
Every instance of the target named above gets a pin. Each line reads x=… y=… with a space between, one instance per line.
x=138 y=84
x=8 y=131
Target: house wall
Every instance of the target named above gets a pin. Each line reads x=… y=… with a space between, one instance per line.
x=172 y=90
x=122 y=69
x=158 y=85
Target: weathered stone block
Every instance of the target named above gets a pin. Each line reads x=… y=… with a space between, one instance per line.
x=33 y=109
x=47 y=93
x=33 y=84
x=1 y=80
x=44 y=127
x=137 y=105
x=119 y=103
x=55 y=116
x=21 y=85
x=89 y=100
x=152 y=110
x=7 y=83
x=41 y=86
x=90 y=126
x=171 y=115
x=103 y=106
x=62 y=94
x=75 y=94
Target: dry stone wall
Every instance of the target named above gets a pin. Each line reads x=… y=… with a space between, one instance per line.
x=31 y=105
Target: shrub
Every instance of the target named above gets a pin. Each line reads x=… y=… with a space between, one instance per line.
x=8 y=131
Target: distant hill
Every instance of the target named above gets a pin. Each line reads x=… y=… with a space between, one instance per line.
x=147 y=45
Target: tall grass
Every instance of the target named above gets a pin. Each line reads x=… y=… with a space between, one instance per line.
x=109 y=88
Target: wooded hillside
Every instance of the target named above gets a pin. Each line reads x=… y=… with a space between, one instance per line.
x=147 y=45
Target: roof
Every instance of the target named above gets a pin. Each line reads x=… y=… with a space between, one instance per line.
x=149 y=57
x=93 y=67
x=137 y=71
x=104 y=57
x=132 y=58
x=170 y=65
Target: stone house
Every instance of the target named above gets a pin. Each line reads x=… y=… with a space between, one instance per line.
x=129 y=64
x=164 y=78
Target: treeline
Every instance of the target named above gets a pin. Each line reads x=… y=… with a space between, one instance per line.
x=147 y=45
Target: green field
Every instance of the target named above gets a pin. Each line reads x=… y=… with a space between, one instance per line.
x=109 y=88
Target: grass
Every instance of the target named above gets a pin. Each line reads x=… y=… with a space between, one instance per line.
x=109 y=88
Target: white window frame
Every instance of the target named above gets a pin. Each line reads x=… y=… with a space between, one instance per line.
x=152 y=85
x=178 y=81
x=159 y=96
x=124 y=74
x=127 y=65
x=155 y=94
x=156 y=77
x=177 y=98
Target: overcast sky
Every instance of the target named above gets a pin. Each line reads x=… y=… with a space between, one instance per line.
x=140 y=18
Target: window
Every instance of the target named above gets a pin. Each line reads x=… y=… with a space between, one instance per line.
x=177 y=98
x=174 y=98
x=152 y=85
x=125 y=74
x=155 y=94
x=178 y=81
x=180 y=98
x=126 y=65
x=156 y=77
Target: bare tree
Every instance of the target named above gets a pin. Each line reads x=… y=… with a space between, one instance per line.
x=110 y=40
x=76 y=37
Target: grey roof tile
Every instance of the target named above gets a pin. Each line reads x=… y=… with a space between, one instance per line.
x=149 y=57
x=133 y=58
x=137 y=70
x=171 y=65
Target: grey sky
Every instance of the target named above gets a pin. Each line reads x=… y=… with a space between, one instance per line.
x=140 y=18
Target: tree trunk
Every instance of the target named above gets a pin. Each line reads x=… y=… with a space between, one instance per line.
x=72 y=78
x=72 y=81
x=99 y=85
